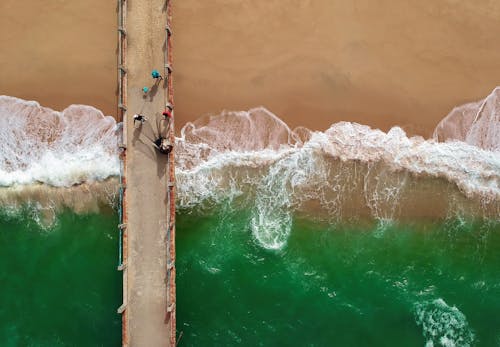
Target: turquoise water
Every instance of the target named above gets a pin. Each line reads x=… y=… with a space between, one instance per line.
x=59 y=286
x=401 y=285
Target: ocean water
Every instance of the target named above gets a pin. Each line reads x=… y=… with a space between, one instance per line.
x=59 y=285
x=332 y=285
x=410 y=284
x=346 y=237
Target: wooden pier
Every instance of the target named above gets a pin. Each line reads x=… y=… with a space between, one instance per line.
x=147 y=229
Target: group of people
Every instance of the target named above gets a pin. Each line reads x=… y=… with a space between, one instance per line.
x=163 y=144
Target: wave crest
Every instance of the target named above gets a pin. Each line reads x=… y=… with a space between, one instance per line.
x=476 y=123
x=255 y=161
x=348 y=170
x=40 y=145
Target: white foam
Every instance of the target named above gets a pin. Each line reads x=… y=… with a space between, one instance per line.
x=273 y=170
x=474 y=170
x=253 y=159
x=476 y=123
x=64 y=148
x=443 y=325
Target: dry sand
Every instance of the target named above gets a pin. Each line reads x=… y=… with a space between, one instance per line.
x=59 y=52
x=312 y=62
x=315 y=62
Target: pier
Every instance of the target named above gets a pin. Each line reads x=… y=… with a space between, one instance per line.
x=147 y=215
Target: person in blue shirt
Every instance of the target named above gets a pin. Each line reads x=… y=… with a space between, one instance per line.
x=156 y=75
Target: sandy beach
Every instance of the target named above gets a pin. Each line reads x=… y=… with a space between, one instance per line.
x=312 y=63
x=59 y=52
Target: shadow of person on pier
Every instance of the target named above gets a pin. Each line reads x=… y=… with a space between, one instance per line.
x=152 y=91
x=144 y=130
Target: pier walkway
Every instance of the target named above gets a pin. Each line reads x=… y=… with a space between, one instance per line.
x=147 y=227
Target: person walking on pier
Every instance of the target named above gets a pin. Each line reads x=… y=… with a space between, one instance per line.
x=139 y=118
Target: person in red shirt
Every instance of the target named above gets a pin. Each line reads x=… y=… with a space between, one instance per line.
x=167 y=114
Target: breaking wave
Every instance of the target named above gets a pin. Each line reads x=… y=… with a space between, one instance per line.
x=253 y=160
x=476 y=123
x=61 y=149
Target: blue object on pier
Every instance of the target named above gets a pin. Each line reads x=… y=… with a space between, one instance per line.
x=155 y=74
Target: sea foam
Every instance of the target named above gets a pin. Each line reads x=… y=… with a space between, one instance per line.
x=40 y=145
x=253 y=160
x=476 y=123
x=443 y=325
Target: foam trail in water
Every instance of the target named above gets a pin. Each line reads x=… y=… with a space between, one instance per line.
x=40 y=145
x=443 y=325
x=43 y=203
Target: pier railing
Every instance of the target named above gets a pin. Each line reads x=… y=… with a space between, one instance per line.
x=122 y=109
x=169 y=104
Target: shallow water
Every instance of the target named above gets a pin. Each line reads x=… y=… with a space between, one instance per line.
x=59 y=286
x=338 y=285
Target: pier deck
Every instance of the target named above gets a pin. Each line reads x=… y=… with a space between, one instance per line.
x=148 y=201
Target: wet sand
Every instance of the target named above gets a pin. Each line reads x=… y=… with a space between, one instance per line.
x=312 y=63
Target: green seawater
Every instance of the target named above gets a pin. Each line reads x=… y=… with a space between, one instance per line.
x=411 y=284
x=59 y=286
x=405 y=284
